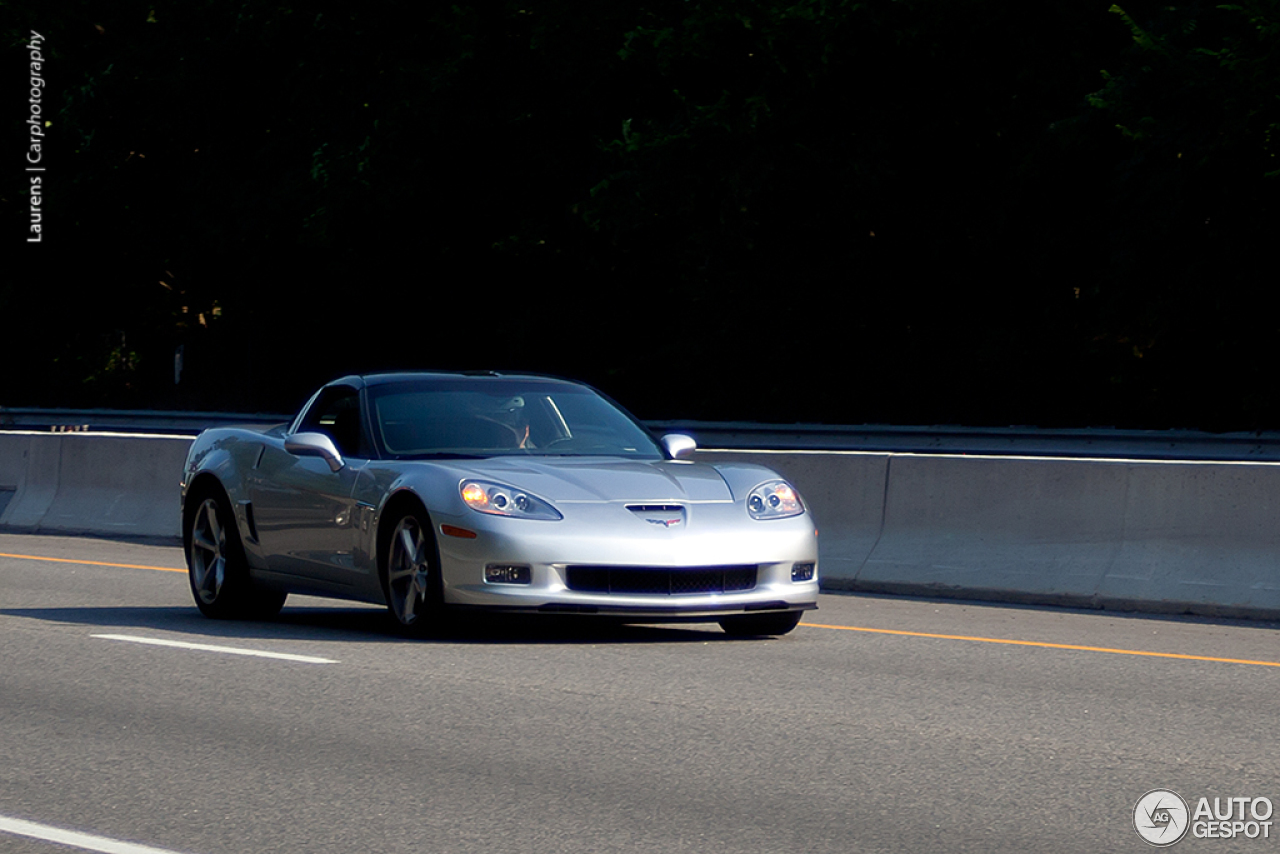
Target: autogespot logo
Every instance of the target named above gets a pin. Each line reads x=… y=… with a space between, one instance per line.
x=1161 y=817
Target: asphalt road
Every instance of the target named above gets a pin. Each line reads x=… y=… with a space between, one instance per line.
x=881 y=724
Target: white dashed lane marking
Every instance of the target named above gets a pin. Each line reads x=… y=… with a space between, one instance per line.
x=225 y=650
x=74 y=839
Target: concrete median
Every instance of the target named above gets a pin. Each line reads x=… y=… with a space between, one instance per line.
x=1200 y=535
x=1042 y=527
x=93 y=483
x=1154 y=536
x=29 y=464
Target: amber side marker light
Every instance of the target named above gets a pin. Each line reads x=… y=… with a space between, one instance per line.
x=455 y=531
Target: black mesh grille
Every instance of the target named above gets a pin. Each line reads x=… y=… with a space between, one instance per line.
x=661 y=581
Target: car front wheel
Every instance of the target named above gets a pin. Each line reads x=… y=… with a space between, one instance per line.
x=411 y=579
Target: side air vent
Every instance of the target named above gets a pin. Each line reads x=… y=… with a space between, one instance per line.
x=246 y=507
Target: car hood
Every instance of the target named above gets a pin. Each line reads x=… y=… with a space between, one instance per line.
x=566 y=479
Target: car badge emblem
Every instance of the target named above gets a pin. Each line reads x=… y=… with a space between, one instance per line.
x=666 y=523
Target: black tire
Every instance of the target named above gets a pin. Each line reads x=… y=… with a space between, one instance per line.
x=410 y=574
x=216 y=566
x=756 y=625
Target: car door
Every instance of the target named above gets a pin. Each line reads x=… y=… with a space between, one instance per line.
x=305 y=514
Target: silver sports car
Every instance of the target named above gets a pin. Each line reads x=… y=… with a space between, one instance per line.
x=436 y=493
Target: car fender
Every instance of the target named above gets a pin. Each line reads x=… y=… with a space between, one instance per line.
x=744 y=477
x=436 y=487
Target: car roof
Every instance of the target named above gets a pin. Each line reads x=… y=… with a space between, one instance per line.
x=387 y=377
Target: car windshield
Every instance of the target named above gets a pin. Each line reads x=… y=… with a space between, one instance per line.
x=492 y=417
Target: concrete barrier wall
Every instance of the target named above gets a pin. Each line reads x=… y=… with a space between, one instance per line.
x=1044 y=527
x=1154 y=536
x=28 y=465
x=92 y=483
x=1201 y=534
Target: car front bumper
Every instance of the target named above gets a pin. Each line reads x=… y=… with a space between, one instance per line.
x=715 y=540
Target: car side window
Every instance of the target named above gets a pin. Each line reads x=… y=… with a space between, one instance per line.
x=336 y=413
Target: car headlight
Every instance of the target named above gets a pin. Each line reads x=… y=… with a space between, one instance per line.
x=775 y=499
x=499 y=500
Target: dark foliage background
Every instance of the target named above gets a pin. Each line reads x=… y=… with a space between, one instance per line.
x=891 y=211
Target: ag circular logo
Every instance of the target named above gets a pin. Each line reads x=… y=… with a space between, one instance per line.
x=1161 y=817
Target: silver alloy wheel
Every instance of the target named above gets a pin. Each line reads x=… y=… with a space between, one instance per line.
x=208 y=552
x=408 y=571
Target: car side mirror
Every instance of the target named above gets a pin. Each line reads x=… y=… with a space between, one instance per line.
x=678 y=445
x=314 y=445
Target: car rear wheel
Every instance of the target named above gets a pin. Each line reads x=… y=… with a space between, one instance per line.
x=761 y=624
x=217 y=568
x=411 y=579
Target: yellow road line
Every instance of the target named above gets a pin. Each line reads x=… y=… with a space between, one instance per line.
x=92 y=562
x=1047 y=645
